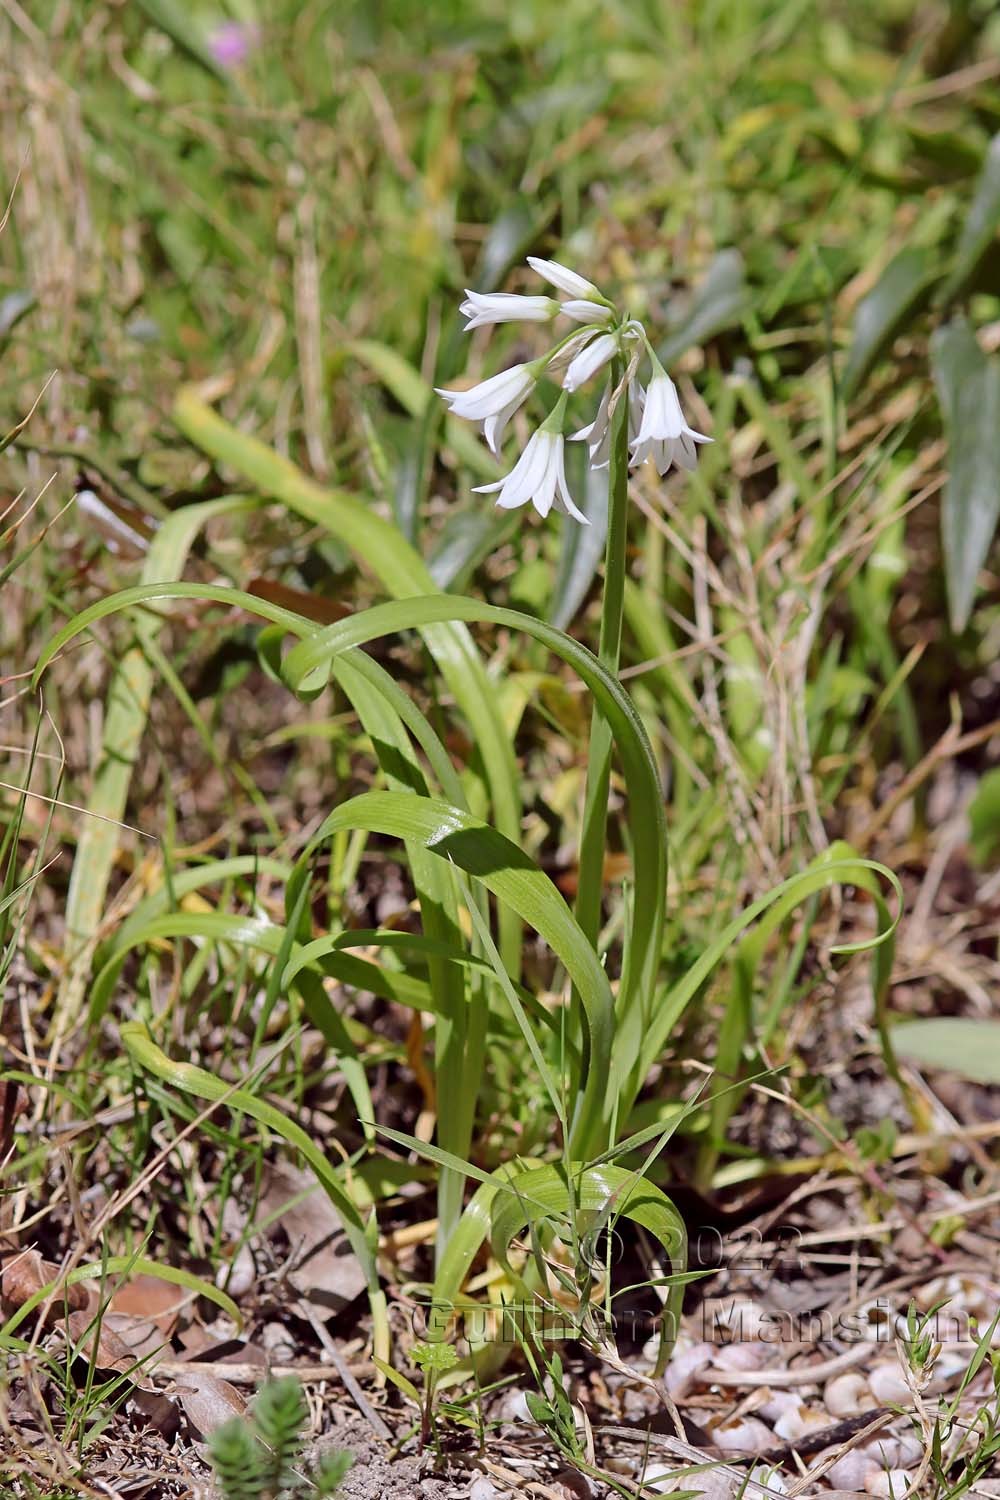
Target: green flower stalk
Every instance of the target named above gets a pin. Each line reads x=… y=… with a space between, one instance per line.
x=632 y=423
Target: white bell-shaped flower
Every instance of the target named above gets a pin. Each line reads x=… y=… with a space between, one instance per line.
x=482 y=308
x=663 y=434
x=539 y=476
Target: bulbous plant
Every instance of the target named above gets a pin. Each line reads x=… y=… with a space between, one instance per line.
x=591 y=1056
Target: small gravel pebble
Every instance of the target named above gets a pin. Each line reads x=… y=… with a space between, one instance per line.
x=743 y=1435
x=846 y=1395
x=851 y=1471
x=890 y=1482
x=799 y=1420
x=888 y=1385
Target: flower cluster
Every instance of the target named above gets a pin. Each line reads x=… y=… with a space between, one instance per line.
x=657 y=428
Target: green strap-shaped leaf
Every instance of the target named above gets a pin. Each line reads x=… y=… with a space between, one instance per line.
x=124 y=1265
x=403 y=573
x=460 y=1033
x=980 y=227
x=511 y=875
x=520 y=1197
x=267 y=937
x=193 y=878
x=968 y=384
x=646 y=820
x=899 y=293
x=823 y=874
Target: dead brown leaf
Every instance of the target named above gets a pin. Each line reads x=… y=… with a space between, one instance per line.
x=102 y=1345
x=207 y=1400
x=26 y=1273
x=153 y=1300
x=141 y=1335
x=324 y=1269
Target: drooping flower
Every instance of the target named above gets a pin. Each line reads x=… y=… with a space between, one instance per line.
x=590 y=359
x=655 y=422
x=566 y=280
x=597 y=434
x=582 y=311
x=663 y=434
x=482 y=308
x=493 y=402
x=539 y=476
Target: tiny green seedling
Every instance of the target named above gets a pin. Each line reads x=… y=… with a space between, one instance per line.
x=435 y=1360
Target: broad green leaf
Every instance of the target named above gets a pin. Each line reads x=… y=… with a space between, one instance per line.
x=901 y=290
x=980 y=227
x=958 y=1044
x=968 y=384
x=402 y=573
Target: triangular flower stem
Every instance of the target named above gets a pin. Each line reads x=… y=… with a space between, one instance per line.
x=593 y=837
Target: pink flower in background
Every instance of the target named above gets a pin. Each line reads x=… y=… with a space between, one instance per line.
x=232 y=42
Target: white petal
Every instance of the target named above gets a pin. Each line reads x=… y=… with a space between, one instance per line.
x=590 y=360
x=561 y=276
x=516 y=474
x=674 y=417
x=582 y=311
x=599 y=426
x=490 y=396
x=641 y=449
x=545 y=489
x=506 y=307
x=494 y=427
x=520 y=484
x=685 y=453
x=565 y=497
x=664 y=454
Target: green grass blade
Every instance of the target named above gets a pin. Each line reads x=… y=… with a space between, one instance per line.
x=118 y=1265
x=203 y=1085
x=124 y=726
